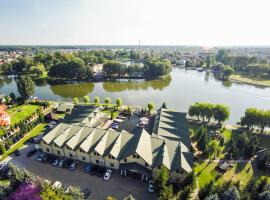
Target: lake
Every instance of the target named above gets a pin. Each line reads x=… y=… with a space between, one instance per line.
x=183 y=88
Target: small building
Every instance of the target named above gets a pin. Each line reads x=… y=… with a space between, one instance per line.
x=4 y=117
x=65 y=108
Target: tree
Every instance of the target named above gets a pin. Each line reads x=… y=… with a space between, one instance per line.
x=203 y=141
x=76 y=100
x=151 y=107
x=96 y=100
x=107 y=100
x=86 y=99
x=25 y=87
x=210 y=60
x=194 y=110
x=221 y=113
x=212 y=149
x=264 y=195
x=12 y=96
x=166 y=193
x=231 y=194
x=227 y=72
x=160 y=181
x=119 y=102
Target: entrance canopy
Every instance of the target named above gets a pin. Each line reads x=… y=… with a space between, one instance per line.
x=134 y=167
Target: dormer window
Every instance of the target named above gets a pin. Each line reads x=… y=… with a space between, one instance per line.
x=96 y=153
x=135 y=156
x=146 y=165
x=111 y=157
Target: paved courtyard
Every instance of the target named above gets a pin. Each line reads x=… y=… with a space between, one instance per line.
x=117 y=186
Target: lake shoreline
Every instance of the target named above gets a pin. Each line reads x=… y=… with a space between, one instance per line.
x=243 y=80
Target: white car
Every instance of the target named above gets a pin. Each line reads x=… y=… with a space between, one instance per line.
x=39 y=158
x=107 y=175
x=57 y=184
x=151 y=186
x=55 y=162
x=60 y=163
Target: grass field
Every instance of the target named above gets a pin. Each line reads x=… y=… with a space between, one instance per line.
x=36 y=131
x=248 y=80
x=242 y=172
x=20 y=113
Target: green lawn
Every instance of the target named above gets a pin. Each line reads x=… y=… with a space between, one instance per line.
x=36 y=131
x=242 y=172
x=20 y=113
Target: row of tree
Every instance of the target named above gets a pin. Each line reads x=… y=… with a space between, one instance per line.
x=153 y=68
x=201 y=110
x=256 y=118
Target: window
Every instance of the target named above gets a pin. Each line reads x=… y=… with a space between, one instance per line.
x=81 y=150
x=83 y=158
x=111 y=157
x=159 y=167
x=70 y=155
x=146 y=165
x=96 y=154
x=58 y=152
x=48 y=150
x=135 y=156
x=97 y=161
x=112 y=165
x=125 y=160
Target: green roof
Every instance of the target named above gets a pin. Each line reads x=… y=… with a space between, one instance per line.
x=172 y=125
x=169 y=144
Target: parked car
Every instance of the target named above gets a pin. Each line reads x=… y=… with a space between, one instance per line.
x=87 y=168
x=3 y=165
x=55 y=162
x=40 y=156
x=60 y=163
x=73 y=166
x=66 y=189
x=51 y=159
x=31 y=152
x=101 y=171
x=45 y=158
x=66 y=163
x=94 y=170
x=151 y=186
x=107 y=175
x=17 y=152
x=56 y=184
x=86 y=192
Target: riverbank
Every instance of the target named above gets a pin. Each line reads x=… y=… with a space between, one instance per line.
x=240 y=79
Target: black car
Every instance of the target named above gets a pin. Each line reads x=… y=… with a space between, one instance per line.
x=94 y=170
x=31 y=152
x=66 y=163
x=45 y=158
x=101 y=171
x=17 y=152
x=86 y=192
x=50 y=159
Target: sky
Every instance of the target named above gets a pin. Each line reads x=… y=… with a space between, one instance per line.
x=125 y=22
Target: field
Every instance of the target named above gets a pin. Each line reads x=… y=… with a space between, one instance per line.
x=247 y=80
x=241 y=172
x=20 y=113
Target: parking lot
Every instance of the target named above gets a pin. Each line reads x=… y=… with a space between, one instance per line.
x=117 y=186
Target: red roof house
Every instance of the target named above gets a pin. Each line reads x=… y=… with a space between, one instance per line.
x=4 y=118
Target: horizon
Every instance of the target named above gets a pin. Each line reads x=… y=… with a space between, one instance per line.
x=120 y=22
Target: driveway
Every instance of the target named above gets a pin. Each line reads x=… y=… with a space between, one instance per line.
x=117 y=186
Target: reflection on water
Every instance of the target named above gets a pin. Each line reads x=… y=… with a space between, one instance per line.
x=119 y=86
x=72 y=90
x=181 y=89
